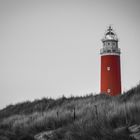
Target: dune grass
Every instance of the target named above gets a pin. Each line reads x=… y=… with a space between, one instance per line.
x=90 y=117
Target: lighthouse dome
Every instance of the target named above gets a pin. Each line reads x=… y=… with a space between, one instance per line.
x=110 y=35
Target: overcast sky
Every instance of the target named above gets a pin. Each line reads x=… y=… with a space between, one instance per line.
x=50 y=48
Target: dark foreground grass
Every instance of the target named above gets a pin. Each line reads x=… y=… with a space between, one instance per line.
x=76 y=118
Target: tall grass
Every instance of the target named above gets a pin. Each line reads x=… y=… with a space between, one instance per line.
x=97 y=117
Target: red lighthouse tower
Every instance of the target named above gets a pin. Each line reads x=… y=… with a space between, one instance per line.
x=110 y=64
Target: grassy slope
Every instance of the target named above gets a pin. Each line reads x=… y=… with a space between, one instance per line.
x=96 y=117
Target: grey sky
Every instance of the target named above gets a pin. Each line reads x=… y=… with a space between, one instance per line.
x=51 y=47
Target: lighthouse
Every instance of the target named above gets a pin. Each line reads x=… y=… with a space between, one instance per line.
x=110 y=64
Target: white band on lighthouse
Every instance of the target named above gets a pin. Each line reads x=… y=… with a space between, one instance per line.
x=110 y=54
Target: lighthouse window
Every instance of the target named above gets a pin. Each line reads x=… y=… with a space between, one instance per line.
x=108 y=43
x=108 y=68
x=108 y=90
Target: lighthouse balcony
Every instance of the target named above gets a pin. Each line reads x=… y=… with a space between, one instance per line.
x=110 y=51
